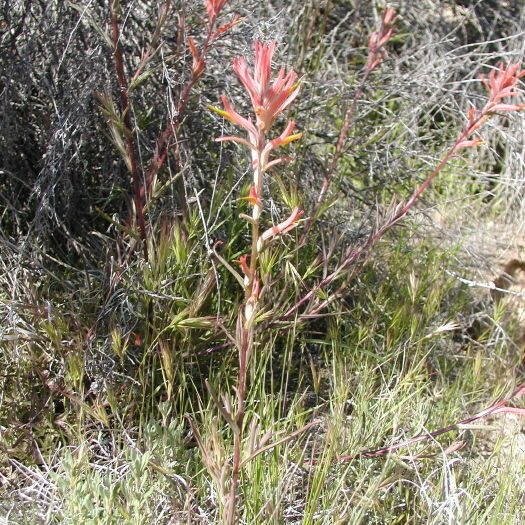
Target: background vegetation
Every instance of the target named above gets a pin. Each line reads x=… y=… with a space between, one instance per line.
x=105 y=356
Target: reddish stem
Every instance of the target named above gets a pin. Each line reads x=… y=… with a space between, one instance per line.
x=244 y=353
x=164 y=140
x=354 y=254
x=126 y=111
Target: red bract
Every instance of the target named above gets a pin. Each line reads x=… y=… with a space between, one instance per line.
x=378 y=39
x=230 y=114
x=214 y=7
x=198 y=61
x=285 y=137
x=253 y=198
x=226 y=27
x=502 y=82
x=283 y=227
x=268 y=99
x=244 y=266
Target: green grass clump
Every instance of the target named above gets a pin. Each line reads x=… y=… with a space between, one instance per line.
x=393 y=358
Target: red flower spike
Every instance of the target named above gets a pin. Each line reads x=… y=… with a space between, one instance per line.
x=502 y=82
x=214 y=7
x=198 y=63
x=269 y=99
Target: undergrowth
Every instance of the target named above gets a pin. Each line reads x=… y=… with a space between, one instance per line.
x=392 y=360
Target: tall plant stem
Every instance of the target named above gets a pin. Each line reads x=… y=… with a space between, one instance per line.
x=246 y=334
x=126 y=115
x=244 y=353
x=165 y=139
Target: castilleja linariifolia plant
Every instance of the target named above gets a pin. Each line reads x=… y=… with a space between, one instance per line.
x=269 y=98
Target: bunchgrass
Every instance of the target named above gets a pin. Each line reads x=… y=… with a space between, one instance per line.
x=392 y=360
